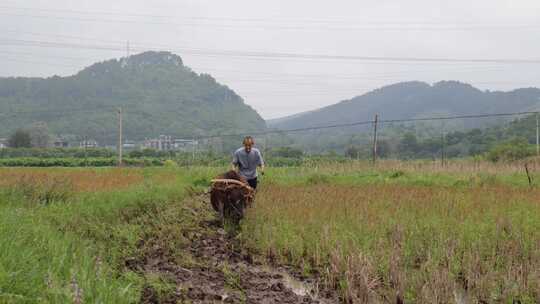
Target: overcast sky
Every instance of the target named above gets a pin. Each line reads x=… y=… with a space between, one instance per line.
x=60 y=37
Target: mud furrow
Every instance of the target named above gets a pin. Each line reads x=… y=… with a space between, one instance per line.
x=222 y=272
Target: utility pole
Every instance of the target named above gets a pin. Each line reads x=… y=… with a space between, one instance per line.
x=120 y=145
x=375 y=137
x=443 y=146
x=537 y=134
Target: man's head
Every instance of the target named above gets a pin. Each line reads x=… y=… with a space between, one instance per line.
x=248 y=143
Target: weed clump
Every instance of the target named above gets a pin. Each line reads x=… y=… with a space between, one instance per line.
x=44 y=191
x=397 y=174
x=317 y=179
x=169 y=163
x=201 y=182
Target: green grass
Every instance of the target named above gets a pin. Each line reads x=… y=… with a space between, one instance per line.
x=419 y=235
x=48 y=252
x=397 y=224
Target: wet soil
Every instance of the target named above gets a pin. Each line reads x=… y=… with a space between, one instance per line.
x=221 y=271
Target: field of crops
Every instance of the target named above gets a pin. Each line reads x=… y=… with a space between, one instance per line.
x=426 y=237
x=418 y=232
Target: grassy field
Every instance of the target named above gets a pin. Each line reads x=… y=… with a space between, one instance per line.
x=410 y=230
x=422 y=233
x=65 y=234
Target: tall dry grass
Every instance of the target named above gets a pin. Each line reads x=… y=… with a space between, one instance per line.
x=79 y=180
x=452 y=166
x=388 y=242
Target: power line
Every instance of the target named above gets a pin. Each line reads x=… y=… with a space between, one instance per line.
x=40 y=63
x=458 y=117
x=367 y=122
x=121 y=44
x=280 y=19
x=296 y=130
x=277 y=55
x=303 y=79
x=34 y=55
x=254 y=76
x=57 y=112
x=278 y=24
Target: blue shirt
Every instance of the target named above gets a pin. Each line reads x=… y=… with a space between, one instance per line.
x=248 y=162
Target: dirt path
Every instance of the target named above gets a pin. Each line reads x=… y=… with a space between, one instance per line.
x=222 y=272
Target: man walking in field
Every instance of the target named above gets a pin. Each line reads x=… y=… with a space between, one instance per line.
x=246 y=160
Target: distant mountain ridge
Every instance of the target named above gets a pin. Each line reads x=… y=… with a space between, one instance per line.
x=413 y=100
x=158 y=94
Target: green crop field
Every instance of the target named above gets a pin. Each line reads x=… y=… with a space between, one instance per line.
x=414 y=231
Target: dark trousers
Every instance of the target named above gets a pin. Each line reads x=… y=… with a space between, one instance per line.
x=252 y=183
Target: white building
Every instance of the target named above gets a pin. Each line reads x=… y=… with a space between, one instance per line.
x=130 y=144
x=167 y=143
x=162 y=143
x=3 y=143
x=89 y=143
x=184 y=144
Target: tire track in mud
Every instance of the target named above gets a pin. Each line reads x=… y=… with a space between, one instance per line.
x=223 y=272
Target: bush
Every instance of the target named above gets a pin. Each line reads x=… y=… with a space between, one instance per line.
x=513 y=150
x=56 y=152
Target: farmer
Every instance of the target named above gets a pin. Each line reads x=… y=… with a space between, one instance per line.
x=246 y=160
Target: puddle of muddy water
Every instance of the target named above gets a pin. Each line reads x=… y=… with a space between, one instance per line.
x=298 y=287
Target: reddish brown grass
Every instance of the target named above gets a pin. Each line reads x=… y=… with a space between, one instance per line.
x=415 y=243
x=87 y=180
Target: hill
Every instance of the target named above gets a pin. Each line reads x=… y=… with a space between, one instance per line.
x=158 y=93
x=416 y=99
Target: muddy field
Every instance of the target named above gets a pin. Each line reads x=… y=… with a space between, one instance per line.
x=224 y=272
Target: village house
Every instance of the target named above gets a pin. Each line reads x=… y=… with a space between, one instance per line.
x=167 y=143
x=88 y=143
x=129 y=144
x=162 y=143
x=60 y=143
x=184 y=144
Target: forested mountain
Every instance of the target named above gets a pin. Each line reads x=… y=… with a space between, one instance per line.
x=158 y=94
x=417 y=99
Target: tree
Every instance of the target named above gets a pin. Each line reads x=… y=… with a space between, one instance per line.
x=408 y=146
x=383 y=148
x=20 y=139
x=352 y=152
x=39 y=135
x=512 y=150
